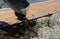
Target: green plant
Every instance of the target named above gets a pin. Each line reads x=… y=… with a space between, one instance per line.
x=26 y=23
x=25 y=37
x=7 y=36
x=49 y=22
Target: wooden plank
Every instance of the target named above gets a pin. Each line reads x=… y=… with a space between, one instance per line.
x=34 y=11
x=39 y=10
x=8 y=16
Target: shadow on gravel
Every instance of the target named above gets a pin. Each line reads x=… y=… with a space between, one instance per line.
x=18 y=29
